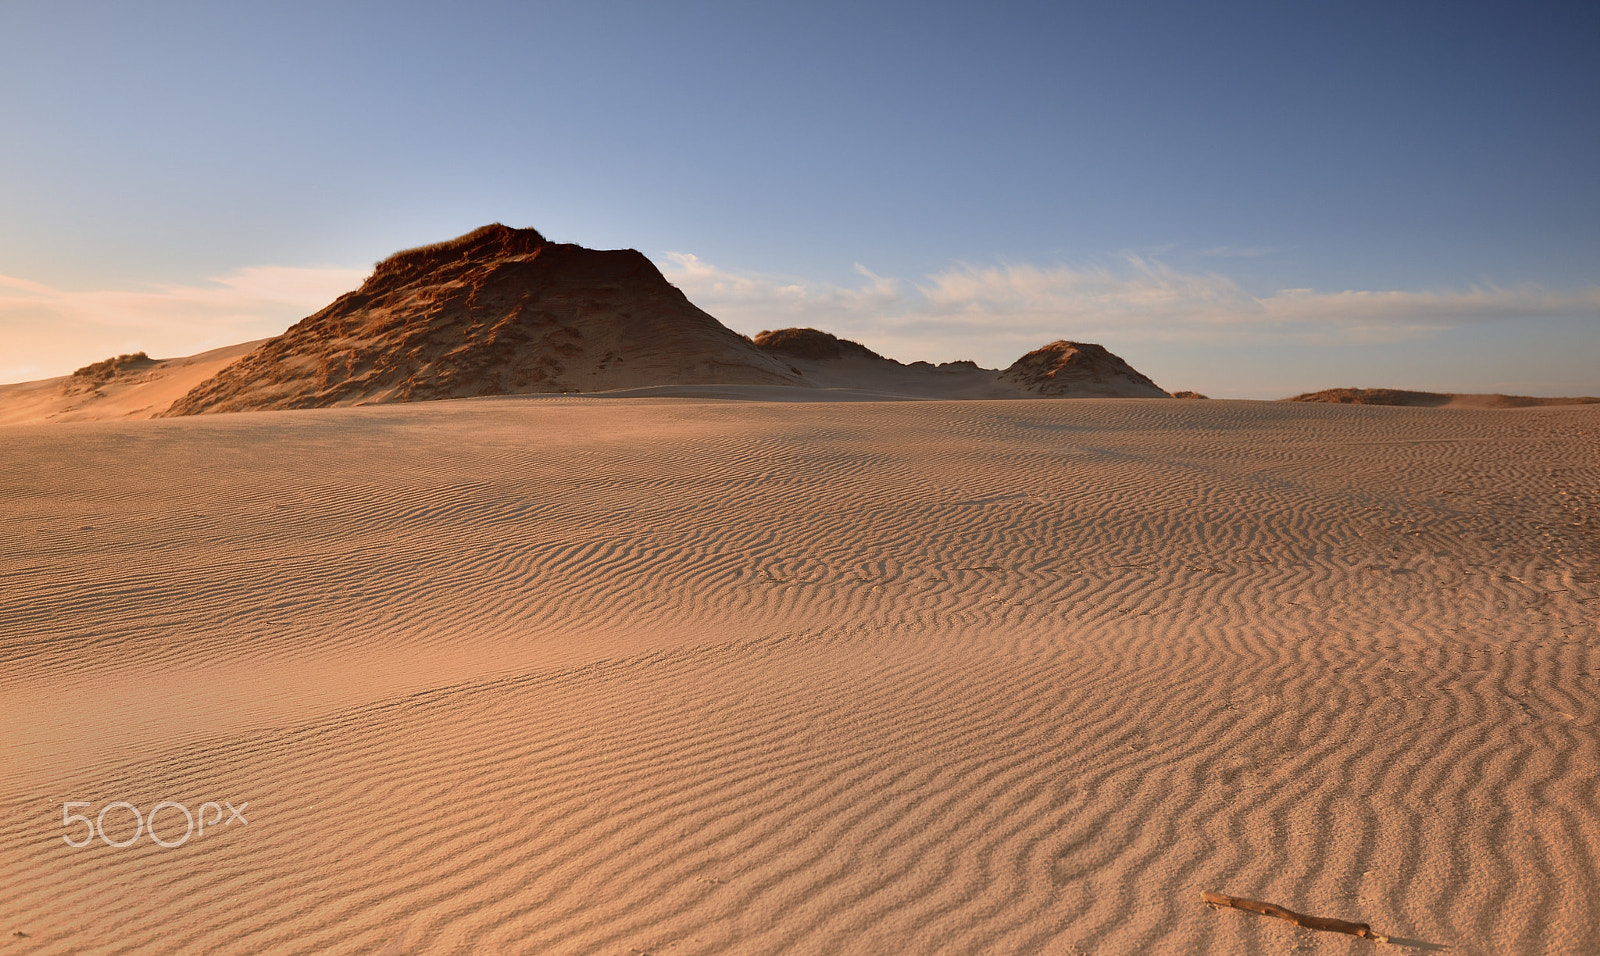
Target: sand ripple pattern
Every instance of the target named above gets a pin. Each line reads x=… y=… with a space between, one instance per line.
x=690 y=677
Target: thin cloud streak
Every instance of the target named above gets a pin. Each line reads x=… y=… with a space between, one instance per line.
x=244 y=296
x=1236 y=252
x=59 y=330
x=988 y=312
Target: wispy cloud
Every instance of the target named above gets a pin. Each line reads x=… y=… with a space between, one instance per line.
x=1236 y=252
x=989 y=312
x=779 y=301
x=240 y=298
x=47 y=331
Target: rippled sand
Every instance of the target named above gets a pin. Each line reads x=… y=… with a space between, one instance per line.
x=684 y=676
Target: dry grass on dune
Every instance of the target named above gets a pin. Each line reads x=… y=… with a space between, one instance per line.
x=565 y=675
x=98 y=373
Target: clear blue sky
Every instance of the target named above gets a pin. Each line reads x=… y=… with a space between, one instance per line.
x=939 y=180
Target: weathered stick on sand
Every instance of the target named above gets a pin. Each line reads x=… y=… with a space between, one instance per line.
x=1300 y=919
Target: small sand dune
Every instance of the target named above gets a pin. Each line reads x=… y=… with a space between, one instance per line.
x=109 y=392
x=1404 y=397
x=690 y=676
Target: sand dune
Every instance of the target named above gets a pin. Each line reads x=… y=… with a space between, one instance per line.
x=1404 y=397
x=689 y=675
x=141 y=390
x=502 y=311
x=498 y=311
x=1077 y=369
x=1058 y=370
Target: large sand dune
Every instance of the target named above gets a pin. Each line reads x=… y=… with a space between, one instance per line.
x=686 y=676
x=498 y=311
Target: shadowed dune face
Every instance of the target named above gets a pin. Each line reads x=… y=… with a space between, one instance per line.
x=573 y=676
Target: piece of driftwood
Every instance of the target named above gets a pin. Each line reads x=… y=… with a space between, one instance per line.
x=1299 y=919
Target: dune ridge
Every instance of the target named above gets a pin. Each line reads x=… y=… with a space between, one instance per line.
x=699 y=676
x=1060 y=369
x=503 y=311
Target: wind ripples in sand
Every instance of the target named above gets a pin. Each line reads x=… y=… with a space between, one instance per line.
x=589 y=676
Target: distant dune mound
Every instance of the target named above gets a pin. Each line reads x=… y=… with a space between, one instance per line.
x=1075 y=370
x=825 y=360
x=812 y=344
x=497 y=311
x=1372 y=396
x=1189 y=394
x=1079 y=369
x=1398 y=396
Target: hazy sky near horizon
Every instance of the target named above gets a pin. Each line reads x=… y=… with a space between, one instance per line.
x=1249 y=199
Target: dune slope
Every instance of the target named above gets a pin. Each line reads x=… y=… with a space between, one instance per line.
x=563 y=675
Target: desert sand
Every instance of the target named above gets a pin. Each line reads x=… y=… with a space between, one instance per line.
x=687 y=675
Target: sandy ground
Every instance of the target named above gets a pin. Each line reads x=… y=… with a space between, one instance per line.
x=686 y=676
